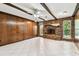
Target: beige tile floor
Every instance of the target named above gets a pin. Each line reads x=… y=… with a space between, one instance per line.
x=39 y=47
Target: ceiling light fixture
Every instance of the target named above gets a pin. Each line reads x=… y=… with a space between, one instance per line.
x=36 y=13
x=63 y=13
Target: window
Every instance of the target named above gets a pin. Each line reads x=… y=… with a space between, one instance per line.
x=67 y=29
x=77 y=28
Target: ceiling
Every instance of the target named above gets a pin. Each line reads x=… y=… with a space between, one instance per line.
x=59 y=10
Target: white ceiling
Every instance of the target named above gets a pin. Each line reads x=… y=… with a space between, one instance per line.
x=31 y=6
x=60 y=10
x=14 y=11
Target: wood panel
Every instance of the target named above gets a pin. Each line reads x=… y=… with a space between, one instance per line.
x=13 y=29
x=19 y=30
x=3 y=29
x=35 y=29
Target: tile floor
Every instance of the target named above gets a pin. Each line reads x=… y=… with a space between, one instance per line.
x=40 y=47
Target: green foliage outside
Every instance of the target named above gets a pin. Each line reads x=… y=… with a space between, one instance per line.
x=66 y=27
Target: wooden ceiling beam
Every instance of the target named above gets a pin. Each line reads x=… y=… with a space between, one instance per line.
x=76 y=9
x=44 y=5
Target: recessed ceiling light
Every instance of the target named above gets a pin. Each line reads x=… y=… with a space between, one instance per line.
x=65 y=12
x=36 y=13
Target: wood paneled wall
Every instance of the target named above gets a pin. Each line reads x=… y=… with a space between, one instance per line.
x=13 y=28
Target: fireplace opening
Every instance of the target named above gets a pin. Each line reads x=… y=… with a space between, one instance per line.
x=50 y=30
